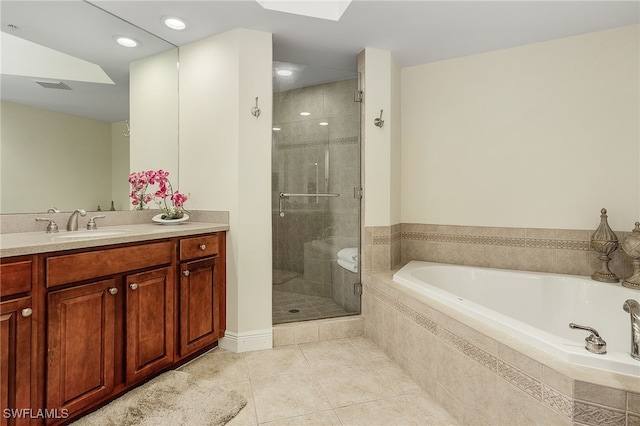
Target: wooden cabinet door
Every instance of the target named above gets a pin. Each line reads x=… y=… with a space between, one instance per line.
x=149 y=323
x=81 y=345
x=200 y=298
x=15 y=361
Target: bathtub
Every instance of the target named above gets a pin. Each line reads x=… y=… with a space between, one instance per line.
x=535 y=308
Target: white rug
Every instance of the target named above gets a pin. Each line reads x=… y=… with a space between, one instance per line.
x=173 y=398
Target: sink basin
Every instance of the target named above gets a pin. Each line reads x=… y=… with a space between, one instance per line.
x=90 y=234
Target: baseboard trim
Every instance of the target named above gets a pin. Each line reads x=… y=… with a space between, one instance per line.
x=255 y=340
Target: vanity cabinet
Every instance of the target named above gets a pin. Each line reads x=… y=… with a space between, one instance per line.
x=201 y=292
x=15 y=356
x=80 y=327
x=81 y=345
x=149 y=323
x=107 y=313
x=17 y=336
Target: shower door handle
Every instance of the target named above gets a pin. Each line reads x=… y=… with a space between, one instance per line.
x=284 y=195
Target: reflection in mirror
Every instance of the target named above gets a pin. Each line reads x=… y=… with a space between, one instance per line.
x=64 y=135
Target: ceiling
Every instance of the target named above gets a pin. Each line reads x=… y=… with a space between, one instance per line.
x=417 y=32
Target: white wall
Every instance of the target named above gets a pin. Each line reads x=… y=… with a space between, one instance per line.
x=153 y=98
x=225 y=163
x=382 y=148
x=543 y=135
x=63 y=162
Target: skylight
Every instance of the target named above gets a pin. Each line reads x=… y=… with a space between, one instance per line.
x=323 y=9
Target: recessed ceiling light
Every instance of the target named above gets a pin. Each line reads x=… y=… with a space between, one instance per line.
x=284 y=73
x=174 y=23
x=305 y=113
x=276 y=129
x=323 y=123
x=127 y=41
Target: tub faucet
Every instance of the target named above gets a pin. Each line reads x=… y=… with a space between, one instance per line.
x=72 y=224
x=633 y=308
x=593 y=343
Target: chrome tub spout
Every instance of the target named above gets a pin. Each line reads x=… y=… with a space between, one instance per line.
x=633 y=308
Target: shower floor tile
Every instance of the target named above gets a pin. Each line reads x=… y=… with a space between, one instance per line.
x=304 y=307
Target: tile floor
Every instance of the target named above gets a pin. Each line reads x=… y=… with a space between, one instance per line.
x=334 y=382
x=308 y=307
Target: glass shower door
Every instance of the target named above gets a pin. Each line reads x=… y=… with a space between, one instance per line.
x=315 y=194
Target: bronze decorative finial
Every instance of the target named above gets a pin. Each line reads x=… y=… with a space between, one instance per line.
x=631 y=246
x=605 y=242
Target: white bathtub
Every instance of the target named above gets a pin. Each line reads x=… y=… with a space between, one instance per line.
x=536 y=308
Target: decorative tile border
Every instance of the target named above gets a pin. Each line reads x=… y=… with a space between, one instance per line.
x=596 y=415
x=469 y=349
x=351 y=140
x=405 y=310
x=633 y=420
x=579 y=412
x=396 y=236
x=520 y=379
x=386 y=239
x=495 y=241
x=381 y=240
x=533 y=387
x=558 y=401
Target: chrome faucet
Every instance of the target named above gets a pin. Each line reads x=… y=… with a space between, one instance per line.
x=633 y=308
x=72 y=224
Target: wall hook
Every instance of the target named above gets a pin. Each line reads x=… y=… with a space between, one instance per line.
x=379 y=122
x=127 y=132
x=255 y=111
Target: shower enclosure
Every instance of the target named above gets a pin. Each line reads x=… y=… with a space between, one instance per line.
x=315 y=193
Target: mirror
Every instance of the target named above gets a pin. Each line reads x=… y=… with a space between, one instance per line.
x=65 y=140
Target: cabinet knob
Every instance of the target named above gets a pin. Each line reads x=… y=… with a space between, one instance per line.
x=186 y=273
x=113 y=290
x=26 y=312
x=203 y=247
x=133 y=286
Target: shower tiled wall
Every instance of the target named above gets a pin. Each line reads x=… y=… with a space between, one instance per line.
x=307 y=158
x=562 y=251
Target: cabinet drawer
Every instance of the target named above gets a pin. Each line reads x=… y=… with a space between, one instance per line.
x=81 y=266
x=195 y=247
x=15 y=277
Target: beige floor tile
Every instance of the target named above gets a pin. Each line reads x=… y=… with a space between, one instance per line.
x=284 y=396
x=428 y=409
x=389 y=371
x=366 y=348
x=388 y=412
x=351 y=384
x=324 y=418
x=329 y=352
x=219 y=366
x=273 y=362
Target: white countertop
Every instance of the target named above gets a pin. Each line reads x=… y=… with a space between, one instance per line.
x=41 y=242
